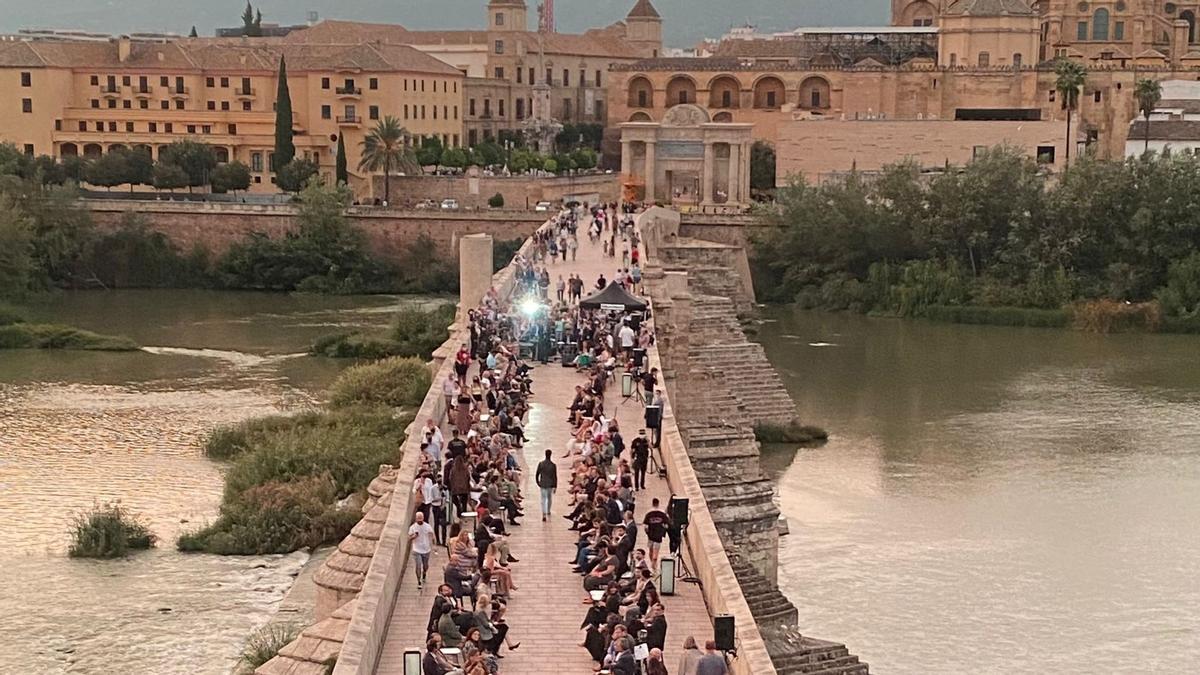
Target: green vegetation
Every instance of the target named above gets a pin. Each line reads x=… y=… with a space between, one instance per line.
x=414 y=333
x=265 y=644
x=496 y=201
x=56 y=336
x=1069 y=79
x=285 y=148
x=287 y=475
x=995 y=242
x=385 y=148
x=108 y=531
x=762 y=166
x=503 y=252
x=342 y=173
x=789 y=433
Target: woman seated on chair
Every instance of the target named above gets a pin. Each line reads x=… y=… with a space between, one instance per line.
x=500 y=572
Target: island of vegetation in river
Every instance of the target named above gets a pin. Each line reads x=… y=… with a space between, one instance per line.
x=1106 y=246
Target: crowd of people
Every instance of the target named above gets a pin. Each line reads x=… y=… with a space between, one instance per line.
x=469 y=494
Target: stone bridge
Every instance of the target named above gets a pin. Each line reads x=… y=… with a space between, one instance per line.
x=369 y=612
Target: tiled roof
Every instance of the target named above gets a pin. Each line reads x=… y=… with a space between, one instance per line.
x=1166 y=130
x=19 y=55
x=991 y=8
x=644 y=10
x=772 y=48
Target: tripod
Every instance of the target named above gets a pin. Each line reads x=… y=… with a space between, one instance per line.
x=682 y=571
x=637 y=395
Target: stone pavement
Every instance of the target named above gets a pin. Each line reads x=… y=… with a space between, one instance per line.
x=545 y=613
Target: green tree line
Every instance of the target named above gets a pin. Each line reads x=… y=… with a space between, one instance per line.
x=997 y=233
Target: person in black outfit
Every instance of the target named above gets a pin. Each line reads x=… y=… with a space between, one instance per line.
x=547 y=481
x=641 y=459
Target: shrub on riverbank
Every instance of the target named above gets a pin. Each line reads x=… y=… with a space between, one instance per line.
x=288 y=475
x=265 y=644
x=789 y=433
x=1110 y=316
x=415 y=332
x=55 y=336
x=108 y=531
x=998 y=316
x=394 y=382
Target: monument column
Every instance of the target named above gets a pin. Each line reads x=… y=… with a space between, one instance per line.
x=747 y=153
x=651 y=170
x=706 y=178
x=626 y=157
x=734 y=175
x=474 y=271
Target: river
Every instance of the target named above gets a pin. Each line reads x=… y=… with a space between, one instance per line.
x=992 y=500
x=83 y=427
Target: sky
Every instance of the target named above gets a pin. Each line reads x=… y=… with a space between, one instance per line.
x=684 y=21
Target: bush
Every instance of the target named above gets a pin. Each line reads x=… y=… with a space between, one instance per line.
x=419 y=332
x=231 y=441
x=353 y=346
x=395 y=382
x=789 y=433
x=998 y=316
x=496 y=201
x=265 y=644
x=108 y=531
x=10 y=315
x=55 y=336
x=504 y=251
x=1112 y=316
x=1181 y=296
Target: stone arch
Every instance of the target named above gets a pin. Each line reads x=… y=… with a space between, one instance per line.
x=1187 y=15
x=92 y=150
x=723 y=116
x=724 y=91
x=222 y=154
x=641 y=92
x=1100 y=24
x=920 y=13
x=68 y=150
x=769 y=93
x=681 y=89
x=640 y=116
x=814 y=93
x=144 y=149
x=117 y=147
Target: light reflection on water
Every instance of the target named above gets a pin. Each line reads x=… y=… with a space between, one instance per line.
x=82 y=427
x=993 y=499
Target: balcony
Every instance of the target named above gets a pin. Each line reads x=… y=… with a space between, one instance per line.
x=244 y=94
x=110 y=92
x=349 y=121
x=349 y=92
x=180 y=93
x=143 y=92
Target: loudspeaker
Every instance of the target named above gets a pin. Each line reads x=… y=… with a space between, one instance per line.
x=679 y=511
x=723 y=629
x=653 y=417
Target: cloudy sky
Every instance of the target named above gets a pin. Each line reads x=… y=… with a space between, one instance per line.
x=685 y=20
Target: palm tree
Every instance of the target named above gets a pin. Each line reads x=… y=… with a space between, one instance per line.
x=385 y=148
x=1071 y=77
x=1148 y=93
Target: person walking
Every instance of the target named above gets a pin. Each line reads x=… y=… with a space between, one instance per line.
x=547 y=480
x=561 y=287
x=713 y=662
x=420 y=534
x=641 y=459
x=691 y=657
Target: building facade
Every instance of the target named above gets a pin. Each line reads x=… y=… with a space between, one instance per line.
x=87 y=98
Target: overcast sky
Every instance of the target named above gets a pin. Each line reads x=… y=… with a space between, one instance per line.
x=685 y=21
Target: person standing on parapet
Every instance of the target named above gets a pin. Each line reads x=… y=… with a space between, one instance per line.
x=547 y=481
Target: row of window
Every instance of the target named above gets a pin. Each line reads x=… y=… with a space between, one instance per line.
x=180 y=104
x=418 y=112
x=150 y=127
x=246 y=85
x=1099 y=27
x=520 y=106
x=984 y=59
x=499 y=73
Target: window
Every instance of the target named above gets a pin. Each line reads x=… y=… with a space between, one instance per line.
x=566 y=108
x=985 y=59
x=600 y=110
x=1096 y=96
x=212 y=105
x=153 y=127
x=422 y=85
x=191 y=128
x=816 y=98
x=127 y=104
x=232 y=129
x=326 y=112
x=95 y=80
x=1017 y=60
x=487 y=107
x=26 y=80
x=643 y=99
x=726 y=99
x=499 y=46
x=471 y=107
x=324 y=82
x=29 y=149
x=1100 y=24
x=224 y=82
x=531 y=76
x=520 y=105
x=95 y=103
x=953 y=60
x=435 y=112
x=129 y=127
x=445 y=112
x=165 y=105
x=405 y=111
x=977 y=151
x=245 y=105
x=499 y=73
x=1119 y=30
x=770 y=99
x=566 y=78
x=455 y=112
x=246 y=88
x=143 y=84
x=168 y=127
x=144 y=104
x=1052 y=94
x=422 y=112
x=112 y=103
x=456 y=140
x=1081 y=30
x=112 y=127
x=373 y=112
x=582 y=77
x=520 y=76
x=499 y=18
x=472 y=137
x=373 y=83
x=351 y=113
x=210 y=82
x=549 y=78
x=348 y=86
x=500 y=107
x=224 y=105
x=1045 y=154
x=83 y=126
x=179 y=104
x=456 y=87
x=597 y=77
x=207 y=129
x=125 y=80
x=256 y=163
x=179 y=88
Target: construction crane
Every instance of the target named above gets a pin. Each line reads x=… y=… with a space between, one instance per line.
x=546 y=16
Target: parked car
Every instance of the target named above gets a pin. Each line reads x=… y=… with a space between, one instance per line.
x=449 y=204
x=542 y=206
x=427 y=204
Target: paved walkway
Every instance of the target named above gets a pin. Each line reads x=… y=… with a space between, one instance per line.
x=545 y=613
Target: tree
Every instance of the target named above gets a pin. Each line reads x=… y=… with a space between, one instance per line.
x=1148 y=93
x=285 y=148
x=251 y=24
x=488 y=153
x=109 y=170
x=550 y=165
x=454 y=158
x=16 y=249
x=383 y=149
x=430 y=152
x=342 y=175
x=293 y=176
x=196 y=159
x=193 y=33
x=584 y=158
x=231 y=177
x=169 y=176
x=1070 y=77
x=762 y=166
x=496 y=201
x=74 y=167
x=139 y=167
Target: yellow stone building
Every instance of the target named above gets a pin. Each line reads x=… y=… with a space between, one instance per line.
x=86 y=98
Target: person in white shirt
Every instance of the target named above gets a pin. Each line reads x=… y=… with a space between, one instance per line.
x=450 y=391
x=420 y=534
x=628 y=336
x=433 y=435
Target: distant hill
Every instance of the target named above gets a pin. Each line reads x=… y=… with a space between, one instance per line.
x=686 y=21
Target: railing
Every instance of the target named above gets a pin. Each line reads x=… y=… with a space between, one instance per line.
x=143 y=91
x=349 y=91
x=177 y=92
x=112 y=90
x=349 y=120
x=244 y=92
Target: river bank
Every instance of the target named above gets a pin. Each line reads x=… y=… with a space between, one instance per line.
x=81 y=427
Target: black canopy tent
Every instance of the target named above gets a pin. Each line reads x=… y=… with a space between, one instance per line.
x=613 y=297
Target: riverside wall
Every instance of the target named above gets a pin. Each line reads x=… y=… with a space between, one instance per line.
x=389 y=232
x=519 y=192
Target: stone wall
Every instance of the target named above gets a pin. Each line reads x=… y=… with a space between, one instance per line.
x=520 y=192
x=389 y=231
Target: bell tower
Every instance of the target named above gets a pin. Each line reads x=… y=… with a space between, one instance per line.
x=643 y=28
x=507 y=15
